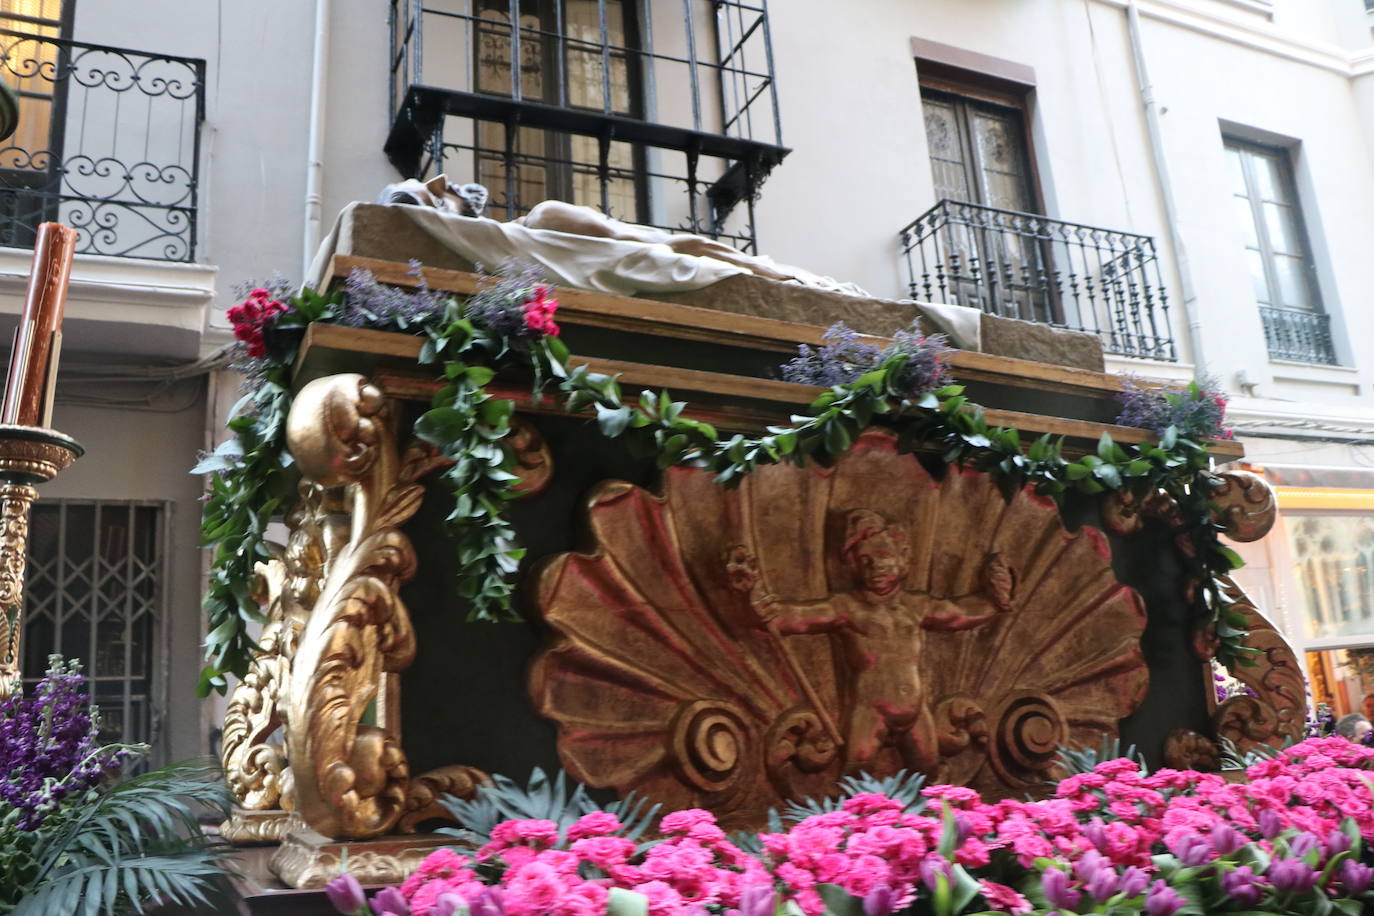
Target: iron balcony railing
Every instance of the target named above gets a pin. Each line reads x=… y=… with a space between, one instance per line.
x=1022 y=265
x=1298 y=334
x=663 y=112
x=108 y=143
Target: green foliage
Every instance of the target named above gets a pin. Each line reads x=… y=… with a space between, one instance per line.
x=1079 y=760
x=468 y=425
x=247 y=483
x=541 y=798
x=128 y=848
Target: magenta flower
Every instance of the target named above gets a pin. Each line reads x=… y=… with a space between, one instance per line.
x=1356 y=878
x=1055 y=885
x=1292 y=875
x=346 y=894
x=1134 y=881
x=1163 y=900
x=391 y=900
x=1242 y=885
x=880 y=901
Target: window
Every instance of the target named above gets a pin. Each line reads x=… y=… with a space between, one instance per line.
x=980 y=155
x=978 y=152
x=1282 y=274
x=95 y=593
x=569 y=57
x=30 y=159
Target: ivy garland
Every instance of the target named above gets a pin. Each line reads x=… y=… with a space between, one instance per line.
x=467 y=425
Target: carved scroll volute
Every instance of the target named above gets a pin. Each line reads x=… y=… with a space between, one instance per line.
x=351 y=777
x=1246 y=505
x=256 y=767
x=1278 y=711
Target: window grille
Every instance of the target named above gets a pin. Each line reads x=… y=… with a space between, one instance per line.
x=97 y=592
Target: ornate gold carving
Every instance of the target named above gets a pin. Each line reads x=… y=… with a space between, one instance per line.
x=28 y=455
x=305 y=859
x=733 y=648
x=15 y=502
x=255 y=766
x=1278 y=711
x=1185 y=749
x=1246 y=505
x=423 y=804
x=251 y=828
x=351 y=777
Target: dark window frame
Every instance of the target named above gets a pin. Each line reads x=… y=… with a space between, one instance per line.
x=49 y=180
x=556 y=159
x=1289 y=187
x=946 y=82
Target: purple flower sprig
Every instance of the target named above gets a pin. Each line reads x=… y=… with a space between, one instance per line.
x=49 y=745
x=368 y=303
x=1196 y=411
x=845 y=356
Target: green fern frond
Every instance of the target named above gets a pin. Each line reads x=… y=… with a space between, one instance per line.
x=541 y=798
x=1079 y=760
x=905 y=787
x=97 y=889
x=136 y=845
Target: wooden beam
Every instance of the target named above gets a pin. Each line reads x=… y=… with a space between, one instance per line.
x=626 y=313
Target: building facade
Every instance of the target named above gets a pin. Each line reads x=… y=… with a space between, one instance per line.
x=1189 y=179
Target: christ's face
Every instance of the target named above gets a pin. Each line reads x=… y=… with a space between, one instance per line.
x=878 y=565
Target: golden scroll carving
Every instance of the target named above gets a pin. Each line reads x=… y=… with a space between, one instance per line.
x=733 y=648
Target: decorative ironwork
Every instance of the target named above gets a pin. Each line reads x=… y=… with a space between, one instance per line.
x=1301 y=335
x=1022 y=265
x=578 y=104
x=109 y=144
x=97 y=592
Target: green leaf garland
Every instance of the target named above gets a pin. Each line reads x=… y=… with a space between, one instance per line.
x=467 y=425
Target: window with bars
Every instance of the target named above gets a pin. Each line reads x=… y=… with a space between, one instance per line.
x=96 y=592
x=1282 y=273
x=590 y=68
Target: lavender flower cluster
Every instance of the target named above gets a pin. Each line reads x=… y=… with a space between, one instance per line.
x=368 y=303
x=1197 y=411
x=499 y=307
x=48 y=745
x=844 y=356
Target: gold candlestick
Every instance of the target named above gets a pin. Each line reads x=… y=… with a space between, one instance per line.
x=29 y=455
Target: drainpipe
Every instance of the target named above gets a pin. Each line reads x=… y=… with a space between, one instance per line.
x=314 y=172
x=1188 y=305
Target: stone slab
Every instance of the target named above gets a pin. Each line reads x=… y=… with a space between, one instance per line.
x=380 y=232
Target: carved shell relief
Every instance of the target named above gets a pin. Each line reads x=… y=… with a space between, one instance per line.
x=734 y=648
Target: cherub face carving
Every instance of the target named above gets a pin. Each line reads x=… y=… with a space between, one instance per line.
x=875 y=551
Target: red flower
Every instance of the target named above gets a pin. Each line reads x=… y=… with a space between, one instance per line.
x=539 y=311
x=250 y=318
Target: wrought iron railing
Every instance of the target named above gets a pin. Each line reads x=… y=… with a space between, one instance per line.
x=108 y=143
x=1298 y=334
x=1022 y=265
x=662 y=112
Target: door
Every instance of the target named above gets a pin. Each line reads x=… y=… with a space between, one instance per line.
x=995 y=254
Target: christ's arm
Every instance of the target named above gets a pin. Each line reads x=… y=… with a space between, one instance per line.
x=802 y=616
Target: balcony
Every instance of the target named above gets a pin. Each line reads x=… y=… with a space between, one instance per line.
x=1031 y=267
x=1301 y=335
x=108 y=143
x=662 y=113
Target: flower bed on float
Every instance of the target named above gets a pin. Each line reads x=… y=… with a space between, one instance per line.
x=1113 y=841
